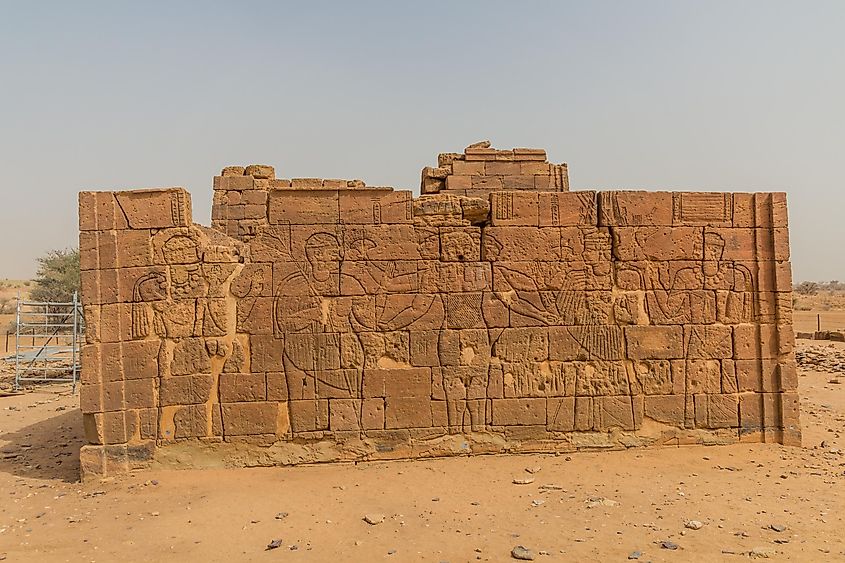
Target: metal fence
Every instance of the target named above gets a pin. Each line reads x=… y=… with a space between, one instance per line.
x=48 y=337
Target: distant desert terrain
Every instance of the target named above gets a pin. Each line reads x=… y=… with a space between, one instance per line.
x=825 y=308
x=9 y=291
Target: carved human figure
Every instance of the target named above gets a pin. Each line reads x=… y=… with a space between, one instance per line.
x=733 y=282
x=466 y=399
x=313 y=319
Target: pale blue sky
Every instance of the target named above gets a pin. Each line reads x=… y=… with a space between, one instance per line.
x=654 y=95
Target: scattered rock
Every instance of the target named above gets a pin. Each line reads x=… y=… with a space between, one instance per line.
x=522 y=553
x=666 y=544
x=823 y=359
x=533 y=470
x=526 y=481
x=760 y=553
x=274 y=544
x=373 y=519
x=281 y=515
x=693 y=524
x=480 y=145
x=551 y=487
x=537 y=502
x=635 y=555
x=777 y=527
x=593 y=502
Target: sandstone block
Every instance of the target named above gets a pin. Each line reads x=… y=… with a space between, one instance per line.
x=277 y=386
x=460 y=244
x=666 y=409
x=243 y=419
x=265 y=353
x=448 y=159
x=89 y=358
x=309 y=415
x=534 y=168
x=113 y=396
x=424 y=348
x=620 y=412
x=140 y=359
x=564 y=209
x=87 y=206
x=635 y=209
x=519 y=412
x=407 y=413
x=242 y=387
x=375 y=206
x=654 y=342
x=716 y=411
x=140 y=394
x=521 y=243
x=560 y=414
x=401 y=383
x=372 y=414
x=380 y=242
x=487 y=154
x=260 y=171
x=702 y=208
x=762 y=341
x=343 y=414
x=91 y=398
x=766 y=375
x=185 y=389
x=501 y=168
x=514 y=208
x=306 y=206
x=88 y=251
x=464 y=168
x=155 y=209
x=486 y=183
x=457 y=183
x=523 y=154
x=232 y=171
x=658 y=243
x=520 y=183
x=234 y=183
x=188 y=421
x=134 y=248
x=475 y=209
x=708 y=341
x=764 y=210
x=307 y=183
x=702 y=376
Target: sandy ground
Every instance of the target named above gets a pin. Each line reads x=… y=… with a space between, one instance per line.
x=579 y=507
x=809 y=321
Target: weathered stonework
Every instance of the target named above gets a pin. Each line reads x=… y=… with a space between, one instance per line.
x=323 y=320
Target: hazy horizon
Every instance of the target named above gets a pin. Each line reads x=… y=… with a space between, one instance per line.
x=648 y=95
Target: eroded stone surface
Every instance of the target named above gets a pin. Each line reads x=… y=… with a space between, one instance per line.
x=322 y=320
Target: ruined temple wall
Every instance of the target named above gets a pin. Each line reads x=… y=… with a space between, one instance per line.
x=337 y=322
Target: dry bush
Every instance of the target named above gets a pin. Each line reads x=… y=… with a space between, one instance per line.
x=807 y=288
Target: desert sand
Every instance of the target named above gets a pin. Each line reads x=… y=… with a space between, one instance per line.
x=751 y=499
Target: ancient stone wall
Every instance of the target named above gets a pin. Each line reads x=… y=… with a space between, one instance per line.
x=322 y=320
